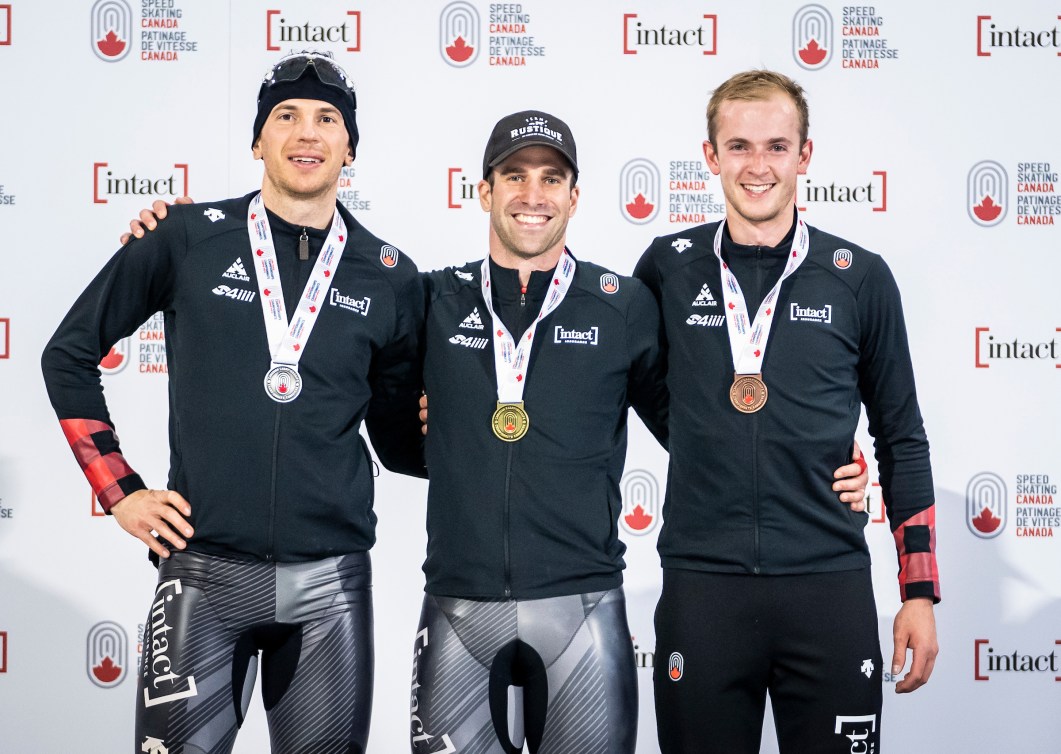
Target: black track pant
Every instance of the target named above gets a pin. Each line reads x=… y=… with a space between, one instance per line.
x=556 y=673
x=724 y=641
x=208 y=622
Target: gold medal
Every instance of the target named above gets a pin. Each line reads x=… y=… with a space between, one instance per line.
x=748 y=393
x=510 y=421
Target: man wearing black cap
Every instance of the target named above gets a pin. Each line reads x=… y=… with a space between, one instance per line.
x=264 y=530
x=523 y=634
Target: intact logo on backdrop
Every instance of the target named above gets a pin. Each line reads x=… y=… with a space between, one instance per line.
x=989 y=662
x=863 y=44
x=641 y=503
x=687 y=200
x=3 y=651
x=1005 y=34
x=287 y=30
x=110 y=182
x=5 y=337
x=157 y=29
x=5 y=24
x=149 y=351
x=871 y=192
x=351 y=198
x=993 y=349
x=509 y=40
x=107 y=654
x=697 y=33
x=988 y=193
x=459 y=189
x=1035 y=512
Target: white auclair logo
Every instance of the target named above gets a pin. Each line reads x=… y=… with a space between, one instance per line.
x=582 y=337
x=356 y=305
x=237 y=271
x=705 y=298
x=681 y=244
x=799 y=313
x=239 y=294
x=214 y=214
x=469 y=342
x=473 y=321
x=706 y=320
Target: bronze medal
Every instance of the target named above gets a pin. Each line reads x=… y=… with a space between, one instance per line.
x=510 y=421
x=748 y=393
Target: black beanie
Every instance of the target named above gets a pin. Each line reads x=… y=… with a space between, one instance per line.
x=309 y=86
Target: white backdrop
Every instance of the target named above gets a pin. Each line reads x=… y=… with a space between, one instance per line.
x=936 y=145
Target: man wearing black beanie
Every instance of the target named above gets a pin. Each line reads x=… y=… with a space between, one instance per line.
x=264 y=529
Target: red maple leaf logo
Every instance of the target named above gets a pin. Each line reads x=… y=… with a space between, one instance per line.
x=638 y=519
x=107 y=671
x=639 y=208
x=112 y=360
x=110 y=45
x=812 y=54
x=987 y=210
x=986 y=522
x=459 y=51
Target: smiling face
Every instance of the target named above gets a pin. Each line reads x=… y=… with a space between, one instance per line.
x=304 y=145
x=758 y=156
x=530 y=202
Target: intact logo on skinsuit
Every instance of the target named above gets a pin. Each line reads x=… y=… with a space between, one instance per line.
x=812 y=37
x=117 y=358
x=282 y=30
x=987 y=193
x=579 y=337
x=355 y=305
x=107 y=654
x=640 y=495
x=985 y=505
x=162 y=682
x=798 y=313
x=675 y=666
x=458 y=34
x=388 y=255
x=639 y=191
x=857 y=729
x=111 y=30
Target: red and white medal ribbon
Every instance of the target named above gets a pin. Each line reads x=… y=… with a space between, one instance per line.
x=510 y=359
x=747 y=338
x=287 y=339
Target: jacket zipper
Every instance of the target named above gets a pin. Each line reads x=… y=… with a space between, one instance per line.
x=755 y=433
x=506 y=516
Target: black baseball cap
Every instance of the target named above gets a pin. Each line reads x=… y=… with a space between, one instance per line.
x=528 y=128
